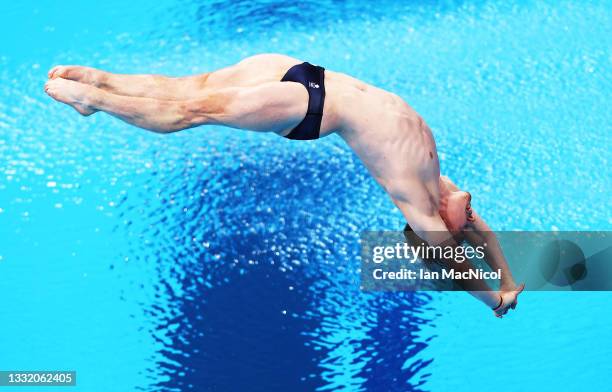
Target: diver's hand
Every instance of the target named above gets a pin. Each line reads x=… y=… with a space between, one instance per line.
x=508 y=300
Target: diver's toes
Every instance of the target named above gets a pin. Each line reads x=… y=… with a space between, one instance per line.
x=49 y=85
x=53 y=89
x=53 y=72
x=62 y=71
x=52 y=93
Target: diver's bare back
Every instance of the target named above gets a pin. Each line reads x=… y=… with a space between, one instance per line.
x=389 y=137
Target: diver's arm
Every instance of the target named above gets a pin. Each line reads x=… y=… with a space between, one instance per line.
x=478 y=233
x=431 y=228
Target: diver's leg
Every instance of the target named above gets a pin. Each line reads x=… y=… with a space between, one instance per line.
x=151 y=86
x=247 y=72
x=148 y=113
x=275 y=106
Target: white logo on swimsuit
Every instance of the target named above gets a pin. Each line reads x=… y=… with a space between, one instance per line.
x=313 y=85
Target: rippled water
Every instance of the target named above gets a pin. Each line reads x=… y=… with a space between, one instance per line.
x=215 y=259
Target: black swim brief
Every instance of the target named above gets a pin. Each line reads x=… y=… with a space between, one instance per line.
x=313 y=78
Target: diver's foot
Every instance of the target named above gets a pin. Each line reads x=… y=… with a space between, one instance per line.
x=508 y=300
x=77 y=73
x=77 y=95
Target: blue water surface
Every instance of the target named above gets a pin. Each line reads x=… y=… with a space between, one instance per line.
x=220 y=260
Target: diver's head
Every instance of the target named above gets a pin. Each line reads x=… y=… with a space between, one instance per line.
x=455 y=206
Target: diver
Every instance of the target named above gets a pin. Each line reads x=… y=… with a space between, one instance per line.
x=302 y=101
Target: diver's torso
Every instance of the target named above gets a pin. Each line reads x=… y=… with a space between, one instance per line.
x=390 y=137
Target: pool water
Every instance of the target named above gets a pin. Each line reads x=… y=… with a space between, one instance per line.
x=221 y=260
